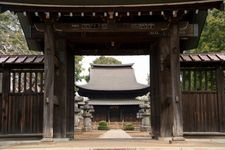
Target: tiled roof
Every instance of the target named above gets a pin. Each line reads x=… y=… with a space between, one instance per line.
x=21 y=59
x=69 y=3
x=203 y=57
x=106 y=78
x=39 y=59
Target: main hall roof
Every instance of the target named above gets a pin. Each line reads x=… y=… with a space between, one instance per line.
x=112 y=78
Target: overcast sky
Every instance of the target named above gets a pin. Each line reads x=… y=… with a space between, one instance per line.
x=141 y=65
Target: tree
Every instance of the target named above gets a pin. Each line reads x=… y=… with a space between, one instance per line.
x=213 y=35
x=12 y=41
x=78 y=68
x=106 y=60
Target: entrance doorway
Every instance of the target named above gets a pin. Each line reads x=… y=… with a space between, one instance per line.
x=112 y=90
x=115 y=114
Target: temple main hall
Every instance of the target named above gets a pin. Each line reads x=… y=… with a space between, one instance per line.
x=112 y=90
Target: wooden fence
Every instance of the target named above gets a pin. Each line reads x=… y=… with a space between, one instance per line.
x=203 y=103
x=22 y=101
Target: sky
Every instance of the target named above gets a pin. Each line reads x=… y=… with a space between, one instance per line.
x=141 y=65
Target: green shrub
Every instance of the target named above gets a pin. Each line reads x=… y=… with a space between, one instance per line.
x=128 y=126
x=102 y=125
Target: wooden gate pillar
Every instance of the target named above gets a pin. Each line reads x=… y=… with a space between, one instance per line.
x=5 y=99
x=70 y=94
x=171 y=121
x=154 y=92
x=60 y=89
x=175 y=81
x=49 y=70
x=58 y=115
x=221 y=97
x=64 y=91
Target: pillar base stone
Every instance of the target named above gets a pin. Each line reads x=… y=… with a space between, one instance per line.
x=47 y=140
x=178 y=138
x=61 y=139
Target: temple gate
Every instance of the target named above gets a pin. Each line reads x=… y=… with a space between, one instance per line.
x=62 y=29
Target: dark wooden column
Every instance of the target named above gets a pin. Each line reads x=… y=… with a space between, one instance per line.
x=49 y=69
x=60 y=89
x=221 y=97
x=154 y=92
x=171 y=121
x=70 y=94
x=5 y=99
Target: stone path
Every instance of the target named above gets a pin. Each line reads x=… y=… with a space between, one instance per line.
x=115 y=134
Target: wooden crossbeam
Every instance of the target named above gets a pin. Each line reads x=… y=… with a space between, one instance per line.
x=154 y=29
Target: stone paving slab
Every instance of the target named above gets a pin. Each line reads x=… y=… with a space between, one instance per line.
x=115 y=134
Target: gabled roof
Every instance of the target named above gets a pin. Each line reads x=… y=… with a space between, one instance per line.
x=112 y=78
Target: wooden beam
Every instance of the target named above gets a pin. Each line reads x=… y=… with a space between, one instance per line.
x=112 y=51
x=49 y=70
x=153 y=29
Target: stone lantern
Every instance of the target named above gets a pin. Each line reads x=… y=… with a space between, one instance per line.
x=87 y=115
x=77 y=111
x=145 y=116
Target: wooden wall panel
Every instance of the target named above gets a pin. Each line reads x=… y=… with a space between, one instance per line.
x=200 y=112
x=24 y=113
x=23 y=106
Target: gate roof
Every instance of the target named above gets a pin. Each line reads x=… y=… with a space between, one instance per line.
x=32 y=13
x=188 y=57
x=184 y=58
x=106 y=3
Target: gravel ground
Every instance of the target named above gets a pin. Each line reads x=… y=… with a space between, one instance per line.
x=122 y=141
x=118 y=144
